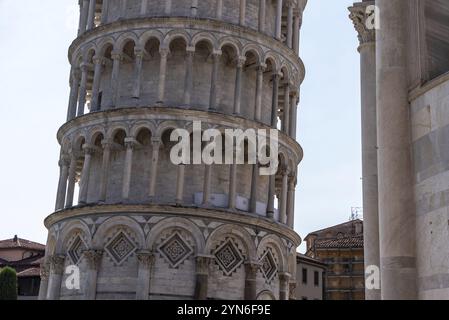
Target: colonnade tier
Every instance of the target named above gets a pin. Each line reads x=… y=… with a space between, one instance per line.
x=123 y=156
x=264 y=256
x=161 y=63
x=279 y=19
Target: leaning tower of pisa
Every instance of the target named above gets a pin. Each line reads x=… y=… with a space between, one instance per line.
x=137 y=226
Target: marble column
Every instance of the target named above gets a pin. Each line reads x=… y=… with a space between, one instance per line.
x=168 y=6
x=71 y=181
x=98 y=70
x=251 y=269
x=202 y=277
x=93 y=259
x=297 y=20
x=289 y=24
x=194 y=8
x=44 y=273
x=284 y=279
x=271 y=195
x=254 y=185
x=367 y=51
x=216 y=55
x=144 y=7
x=188 y=81
x=146 y=262
x=242 y=16
x=275 y=100
x=74 y=93
x=219 y=12
x=259 y=92
x=115 y=78
x=396 y=199
x=232 y=186
x=180 y=184
x=283 y=200
x=286 y=113
x=162 y=74
x=83 y=16
x=83 y=89
x=64 y=164
x=104 y=11
x=262 y=15
x=107 y=145
x=91 y=15
x=84 y=182
x=238 y=85
x=291 y=201
x=55 y=279
x=293 y=114
x=207 y=185
x=278 y=32
x=123 y=8
x=156 y=143
x=130 y=143
x=139 y=53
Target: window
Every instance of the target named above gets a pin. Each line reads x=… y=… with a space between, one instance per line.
x=304 y=275
x=316 y=278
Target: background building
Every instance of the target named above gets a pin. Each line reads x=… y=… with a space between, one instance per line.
x=141 y=227
x=310 y=275
x=341 y=248
x=25 y=257
x=405 y=134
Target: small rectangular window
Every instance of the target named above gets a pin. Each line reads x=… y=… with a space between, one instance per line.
x=304 y=275
x=316 y=278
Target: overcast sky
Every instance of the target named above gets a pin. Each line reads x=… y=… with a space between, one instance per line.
x=34 y=70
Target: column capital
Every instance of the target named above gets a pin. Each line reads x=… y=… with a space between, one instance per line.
x=85 y=66
x=88 y=149
x=164 y=51
x=107 y=144
x=241 y=61
x=115 y=55
x=57 y=264
x=130 y=143
x=284 y=276
x=251 y=268
x=217 y=53
x=262 y=67
x=45 y=270
x=146 y=258
x=93 y=258
x=64 y=161
x=202 y=264
x=359 y=14
x=99 y=60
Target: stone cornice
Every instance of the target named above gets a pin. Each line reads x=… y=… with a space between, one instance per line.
x=226 y=216
x=202 y=25
x=359 y=16
x=172 y=113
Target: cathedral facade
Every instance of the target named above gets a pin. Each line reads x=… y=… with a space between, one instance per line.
x=134 y=224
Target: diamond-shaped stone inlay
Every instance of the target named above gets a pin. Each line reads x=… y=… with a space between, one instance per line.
x=120 y=248
x=228 y=257
x=269 y=267
x=175 y=250
x=76 y=249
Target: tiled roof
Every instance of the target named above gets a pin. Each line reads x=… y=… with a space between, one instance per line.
x=32 y=272
x=345 y=242
x=20 y=243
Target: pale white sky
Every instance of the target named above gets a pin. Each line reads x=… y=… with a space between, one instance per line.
x=34 y=70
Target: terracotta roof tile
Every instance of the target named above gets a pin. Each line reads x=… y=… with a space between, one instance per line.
x=20 y=243
x=345 y=242
x=32 y=272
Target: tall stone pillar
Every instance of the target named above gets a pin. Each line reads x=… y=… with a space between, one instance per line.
x=188 y=83
x=156 y=144
x=91 y=15
x=84 y=182
x=251 y=269
x=262 y=14
x=83 y=89
x=115 y=80
x=129 y=144
x=71 y=181
x=98 y=70
x=207 y=184
x=275 y=100
x=162 y=74
x=297 y=19
x=291 y=201
x=367 y=51
x=202 y=276
x=289 y=24
x=180 y=184
x=242 y=16
x=214 y=80
x=54 y=282
x=107 y=145
x=286 y=118
x=104 y=11
x=254 y=186
x=93 y=259
x=83 y=16
x=278 y=19
x=284 y=195
x=45 y=271
x=238 y=85
x=146 y=262
x=284 y=280
x=396 y=202
x=139 y=53
x=259 y=88
x=232 y=186
x=74 y=93
x=62 y=185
